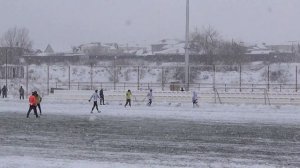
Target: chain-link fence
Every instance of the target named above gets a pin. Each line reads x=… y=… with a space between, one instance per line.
x=237 y=78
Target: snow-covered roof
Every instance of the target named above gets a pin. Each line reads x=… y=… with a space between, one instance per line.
x=49 y=49
x=260 y=52
x=172 y=49
x=170 y=41
x=259 y=49
x=170 y=46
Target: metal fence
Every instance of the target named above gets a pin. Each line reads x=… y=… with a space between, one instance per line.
x=236 y=78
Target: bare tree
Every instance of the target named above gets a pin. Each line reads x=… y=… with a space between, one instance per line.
x=206 y=42
x=17 y=37
x=211 y=41
x=232 y=52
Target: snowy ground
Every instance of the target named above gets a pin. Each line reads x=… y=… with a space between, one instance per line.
x=176 y=135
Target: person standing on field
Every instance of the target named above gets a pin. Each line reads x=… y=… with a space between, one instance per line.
x=128 y=98
x=21 y=92
x=32 y=105
x=149 y=95
x=101 y=97
x=4 y=91
x=95 y=96
x=38 y=101
x=195 y=99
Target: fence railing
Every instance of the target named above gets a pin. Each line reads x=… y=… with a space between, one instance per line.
x=248 y=87
x=216 y=96
x=203 y=77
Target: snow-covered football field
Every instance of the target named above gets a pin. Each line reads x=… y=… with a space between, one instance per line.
x=176 y=135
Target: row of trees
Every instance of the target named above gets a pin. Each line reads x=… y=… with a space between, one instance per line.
x=205 y=42
x=14 y=42
x=16 y=38
x=209 y=42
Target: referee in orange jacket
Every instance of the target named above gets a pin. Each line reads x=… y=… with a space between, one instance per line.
x=32 y=105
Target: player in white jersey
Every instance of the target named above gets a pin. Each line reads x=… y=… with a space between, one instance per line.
x=95 y=97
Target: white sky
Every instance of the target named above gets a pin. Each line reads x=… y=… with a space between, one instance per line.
x=64 y=23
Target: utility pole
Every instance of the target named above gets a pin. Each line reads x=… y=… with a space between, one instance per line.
x=6 y=53
x=187 y=47
x=293 y=49
x=115 y=72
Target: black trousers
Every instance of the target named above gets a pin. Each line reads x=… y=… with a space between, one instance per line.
x=195 y=103
x=95 y=105
x=39 y=106
x=21 y=96
x=128 y=101
x=150 y=102
x=102 y=100
x=32 y=107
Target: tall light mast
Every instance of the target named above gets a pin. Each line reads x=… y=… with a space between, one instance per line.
x=187 y=47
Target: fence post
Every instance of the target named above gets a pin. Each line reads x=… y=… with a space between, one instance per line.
x=214 y=78
x=114 y=76
x=280 y=88
x=69 y=77
x=48 y=79
x=138 y=78
x=296 y=78
x=240 y=78
x=162 y=78
x=268 y=78
x=215 y=94
x=265 y=97
x=27 y=79
x=189 y=69
x=91 y=76
x=214 y=83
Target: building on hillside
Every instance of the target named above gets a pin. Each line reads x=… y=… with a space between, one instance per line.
x=97 y=48
x=270 y=53
x=38 y=51
x=259 y=49
x=10 y=55
x=168 y=46
x=49 y=49
x=49 y=57
x=157 y=47
x=283 y=48
x=133 y=50
x=52 y=58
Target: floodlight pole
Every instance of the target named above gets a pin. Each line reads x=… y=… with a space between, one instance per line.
x=187 y=48
x=6 y=53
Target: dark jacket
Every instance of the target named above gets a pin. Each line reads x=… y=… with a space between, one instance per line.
x=21 y=91
x=4 y=90
x=101 y=93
